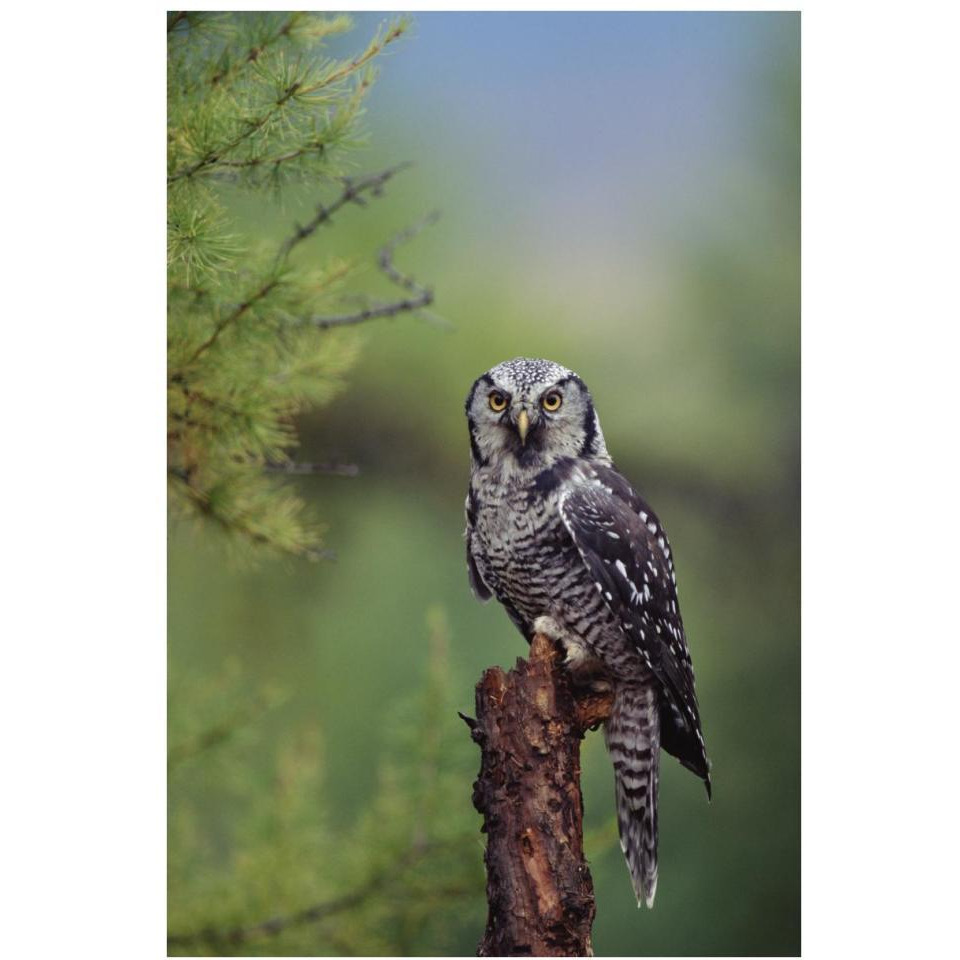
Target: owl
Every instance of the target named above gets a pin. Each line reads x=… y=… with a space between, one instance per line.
x=571 y=550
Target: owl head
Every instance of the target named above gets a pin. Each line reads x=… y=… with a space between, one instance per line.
x=531 y=413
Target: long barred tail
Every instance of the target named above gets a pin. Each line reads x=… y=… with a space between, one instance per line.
x=633 y=739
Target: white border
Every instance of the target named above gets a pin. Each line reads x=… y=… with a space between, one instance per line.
x=82 y=391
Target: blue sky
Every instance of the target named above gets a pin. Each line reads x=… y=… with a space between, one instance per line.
x=585 y=111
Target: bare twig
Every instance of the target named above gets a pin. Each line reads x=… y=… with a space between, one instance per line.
x=386 y=253
x=422 y=296
x=354 y=189
x=371 y=313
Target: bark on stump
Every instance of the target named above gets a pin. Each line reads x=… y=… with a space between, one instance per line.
x=529 y=725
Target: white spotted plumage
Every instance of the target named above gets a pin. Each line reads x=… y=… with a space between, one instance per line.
x=569 y=548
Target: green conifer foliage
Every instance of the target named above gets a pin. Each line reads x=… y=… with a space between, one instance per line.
x=256 y=865
x=253 y=103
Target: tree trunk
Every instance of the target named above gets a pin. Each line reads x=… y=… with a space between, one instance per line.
x=529 y=725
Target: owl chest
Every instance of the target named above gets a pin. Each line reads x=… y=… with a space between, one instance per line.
x=521 y=542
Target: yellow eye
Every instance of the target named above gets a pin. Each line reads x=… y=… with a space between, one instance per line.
x=551 y=401
x=498 y=402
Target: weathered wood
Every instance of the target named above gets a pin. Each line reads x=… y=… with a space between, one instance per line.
x=529 y=725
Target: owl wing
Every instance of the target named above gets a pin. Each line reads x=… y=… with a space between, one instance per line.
x=480 y=589
x=626 y=552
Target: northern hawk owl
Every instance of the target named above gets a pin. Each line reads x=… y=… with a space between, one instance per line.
x=571 y=550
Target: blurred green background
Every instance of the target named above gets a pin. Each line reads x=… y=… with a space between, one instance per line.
x=620 y=193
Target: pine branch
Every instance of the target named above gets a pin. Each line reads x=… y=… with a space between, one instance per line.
x=278 y=160
x=241 y=523
x=255 y=52
x=375 y=48
x=219 y=733
x=215 y=155
x=299 y=88
x=276 y=925
x=252 y=100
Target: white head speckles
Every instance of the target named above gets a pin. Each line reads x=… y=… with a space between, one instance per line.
x=525 y=372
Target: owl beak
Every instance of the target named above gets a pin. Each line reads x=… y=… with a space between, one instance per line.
x=523 y=425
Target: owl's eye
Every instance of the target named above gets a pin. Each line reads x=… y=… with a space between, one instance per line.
x=551 y=401
x=498 y=402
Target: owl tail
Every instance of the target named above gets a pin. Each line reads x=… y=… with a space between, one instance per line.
x=633 y=739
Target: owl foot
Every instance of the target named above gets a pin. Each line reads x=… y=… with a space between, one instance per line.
x=548 y=627
x=577 y=658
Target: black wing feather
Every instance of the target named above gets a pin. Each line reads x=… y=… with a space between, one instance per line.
x=626 y=552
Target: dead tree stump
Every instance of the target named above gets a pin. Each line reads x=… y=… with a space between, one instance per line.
x=529 y=725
